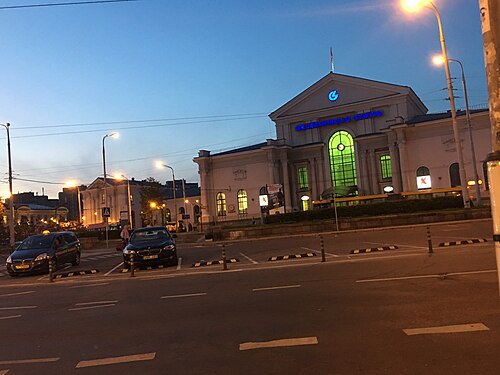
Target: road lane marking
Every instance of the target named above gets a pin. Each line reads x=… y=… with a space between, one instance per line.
x=279 y=343
x=459 y=328
x=17 y=294
x=114 y=268
x=179 y=262
x=249 y=259
x=91 y=307
x=18 y=307
x=94 y=303
x=24 y=361
x=319 y=252
x=87 y=286
x=425 y=276
x=276 y=288
x=10 y=317
x=3 y=372
x=185 y=295
x=116 y=360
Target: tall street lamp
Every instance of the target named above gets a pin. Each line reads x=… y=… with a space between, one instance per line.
x=120 y=177
x=439 y=60
x=414 y=6
x=160 y=164
x=12 y=232
x=105 y=219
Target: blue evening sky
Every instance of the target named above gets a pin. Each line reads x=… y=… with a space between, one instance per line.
x=206 y=73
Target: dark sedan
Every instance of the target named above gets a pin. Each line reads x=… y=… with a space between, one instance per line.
x=35 y=252
x=150 y=246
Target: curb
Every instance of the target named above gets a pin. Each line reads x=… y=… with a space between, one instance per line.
x=76 y=273
x=373 y=249
x=464 y=242
x=293 y=256
x=214 y=262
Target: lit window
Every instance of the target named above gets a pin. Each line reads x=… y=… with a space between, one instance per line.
x=343 y=163
x=221 y=204
x=385 y=166
x=242 y=202
x=303 y=179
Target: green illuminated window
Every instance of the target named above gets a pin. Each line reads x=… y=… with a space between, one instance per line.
x=343 y=163
x=242 y=202
x=303 y=180
x=221 y=204
x=385 y=166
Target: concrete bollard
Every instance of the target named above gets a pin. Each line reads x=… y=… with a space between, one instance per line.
x=132 y=265
x=322 y=245
x=429 y=240
x=224 y=261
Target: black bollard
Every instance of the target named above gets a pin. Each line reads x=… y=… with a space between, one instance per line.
x=224 y=262
x=429 y=240
x=132 y=265
x=323 y=257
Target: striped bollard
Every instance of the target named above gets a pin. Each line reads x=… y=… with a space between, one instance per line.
x=429 y=240
x=51 y=269
x=323 y=258
x=132 y=265
x=224 y=262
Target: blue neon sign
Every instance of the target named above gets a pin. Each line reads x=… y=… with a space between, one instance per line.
x=340 y=120
x=333 y=95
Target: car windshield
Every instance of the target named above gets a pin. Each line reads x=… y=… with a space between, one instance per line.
x=36 y=242
x=149 y=235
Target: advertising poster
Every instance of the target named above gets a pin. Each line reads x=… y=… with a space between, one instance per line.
x=276 y=199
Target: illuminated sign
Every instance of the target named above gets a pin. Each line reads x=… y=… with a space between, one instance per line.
x=424 y=182
x=333 y=95
x=340 y=120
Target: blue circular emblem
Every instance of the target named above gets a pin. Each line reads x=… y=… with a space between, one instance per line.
x=333 y=95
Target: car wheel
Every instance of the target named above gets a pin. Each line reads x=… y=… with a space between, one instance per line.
x=76 y=262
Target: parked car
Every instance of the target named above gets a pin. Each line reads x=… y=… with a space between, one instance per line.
x=150 y=246
x=35 y=252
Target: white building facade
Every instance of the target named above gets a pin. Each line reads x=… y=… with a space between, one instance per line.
x=346 y=136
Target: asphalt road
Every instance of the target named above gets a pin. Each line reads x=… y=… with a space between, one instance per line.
x=401 y=311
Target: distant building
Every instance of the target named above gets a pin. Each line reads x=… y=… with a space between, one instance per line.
x=34 y=208
x=71 y=199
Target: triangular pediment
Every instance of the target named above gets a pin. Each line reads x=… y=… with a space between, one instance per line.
x=338 y=90
x=98 y=183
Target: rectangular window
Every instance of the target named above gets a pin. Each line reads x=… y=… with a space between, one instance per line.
x=303 y=179
x=385 y=166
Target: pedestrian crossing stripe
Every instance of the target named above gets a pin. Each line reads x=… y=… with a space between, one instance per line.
x=373 y=249
x=463 y=242
x=293 y=256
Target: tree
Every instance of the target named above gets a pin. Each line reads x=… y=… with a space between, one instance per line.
x=151 y=191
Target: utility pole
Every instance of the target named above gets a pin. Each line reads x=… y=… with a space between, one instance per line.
x=490 y=21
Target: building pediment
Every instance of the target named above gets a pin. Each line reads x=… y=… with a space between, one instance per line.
x=342 y=91
x=98 y=183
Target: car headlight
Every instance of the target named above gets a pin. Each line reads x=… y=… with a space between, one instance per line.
x=9 y=259
x=42 y=256
x=169 y=247
x=127 y=251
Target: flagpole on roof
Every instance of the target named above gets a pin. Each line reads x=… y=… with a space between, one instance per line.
x=331 y=59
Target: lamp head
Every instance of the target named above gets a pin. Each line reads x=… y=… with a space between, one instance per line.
x=159 y=164
x=413 y=6
x=438 y=60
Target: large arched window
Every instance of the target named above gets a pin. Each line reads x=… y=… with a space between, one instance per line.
x=242 y=202
x=454 y=175
x=343 y=163
x=221 y=204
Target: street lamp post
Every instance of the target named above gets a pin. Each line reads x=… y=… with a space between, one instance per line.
x=12 y=232
x=129 y=198
x=159 y=164
x=438 y=60
x=413 y=5
x=113 y=135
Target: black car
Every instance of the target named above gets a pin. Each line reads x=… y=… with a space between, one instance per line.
x=35 y=252
x=150 y=246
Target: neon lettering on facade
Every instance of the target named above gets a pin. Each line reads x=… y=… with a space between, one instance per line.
x=340 y=120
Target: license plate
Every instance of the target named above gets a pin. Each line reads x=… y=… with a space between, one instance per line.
x=146 y=257
x=22 y=267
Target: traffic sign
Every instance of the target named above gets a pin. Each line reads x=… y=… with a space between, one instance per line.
x=106 y=212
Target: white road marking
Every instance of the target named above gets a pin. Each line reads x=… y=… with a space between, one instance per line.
x=276 y=287
x=43 y=277
x=10 y=317
x=24 y=361
x=17 y=294
x=319 y=252
x=185 y=295
x=279 y=343
x=94 y=303
x=179 y=262
x=472 y=327
x=91 y=307
x=114 y=268
x=115 y=360
x=3 y=372
x=18 y=307
x=248 y=258
x=425 y=276
x=87 y=286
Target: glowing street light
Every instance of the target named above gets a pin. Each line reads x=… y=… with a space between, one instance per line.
x=439 y=60
x=72 y=184
x=112 y=135
x=413 y=6
x=120 y=177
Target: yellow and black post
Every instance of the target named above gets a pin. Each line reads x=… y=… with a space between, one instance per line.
x=224 y=261
x=323 y=257
x=132 y=265
x=429 y=240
